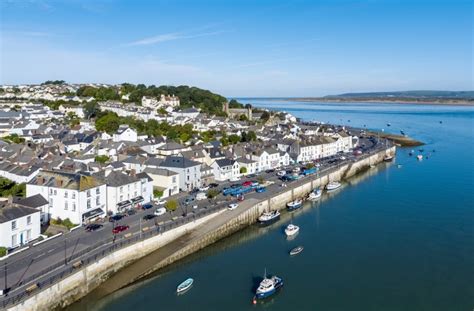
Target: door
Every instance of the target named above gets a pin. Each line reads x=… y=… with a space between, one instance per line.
x=21 y=238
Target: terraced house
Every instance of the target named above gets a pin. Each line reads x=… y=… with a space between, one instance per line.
x=76 y=196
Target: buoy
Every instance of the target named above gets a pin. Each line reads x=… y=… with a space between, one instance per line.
x=254 y=301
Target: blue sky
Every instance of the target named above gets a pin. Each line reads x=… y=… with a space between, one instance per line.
x=242 y=48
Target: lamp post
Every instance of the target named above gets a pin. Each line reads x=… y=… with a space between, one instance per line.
x=65 y=255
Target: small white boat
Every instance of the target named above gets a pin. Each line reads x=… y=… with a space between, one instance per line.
x=184 y=286
x=314 y=195
x=296 y=250
x=388 y=158
x=291 y=230
x=294 y=204
x=268 y=217
x=333 y=185
x=419 y=157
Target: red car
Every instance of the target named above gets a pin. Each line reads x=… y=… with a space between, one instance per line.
x=247 y=183
x=119 y=229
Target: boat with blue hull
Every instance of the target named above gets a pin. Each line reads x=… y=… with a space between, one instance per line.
x=268 y=218
x=268 y=287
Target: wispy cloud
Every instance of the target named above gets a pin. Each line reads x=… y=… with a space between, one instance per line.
x=172 y=37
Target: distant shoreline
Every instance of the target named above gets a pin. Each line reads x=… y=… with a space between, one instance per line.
x=441 y=102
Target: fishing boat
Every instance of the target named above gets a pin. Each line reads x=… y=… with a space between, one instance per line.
x=388 y=158
x=268 y=287
x=419 y=157
x=291 y=230
x=333 y=185
x=296 y=250
x=403 y=133
x=268 y=217
x=388 y=124
x=184 y=286
x=315 y=194
x=294 y=204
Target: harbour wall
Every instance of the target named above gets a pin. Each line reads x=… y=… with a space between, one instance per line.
x=162 y=250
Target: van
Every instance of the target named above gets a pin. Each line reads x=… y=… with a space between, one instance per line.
x=201 y=196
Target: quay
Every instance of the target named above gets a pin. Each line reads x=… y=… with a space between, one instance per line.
x=104 y=269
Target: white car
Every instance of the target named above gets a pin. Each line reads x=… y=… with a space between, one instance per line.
x=160 y=202
x=235 y=179
x=160 y=211
x=233 y=206
x=281 y=173
x=201 y=196
x=204 y=188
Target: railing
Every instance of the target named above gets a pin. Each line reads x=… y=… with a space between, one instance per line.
x=62 y=269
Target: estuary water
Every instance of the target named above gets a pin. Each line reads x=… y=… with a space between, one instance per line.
x=393 y=238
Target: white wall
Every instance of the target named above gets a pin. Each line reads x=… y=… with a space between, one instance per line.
x=23 y=230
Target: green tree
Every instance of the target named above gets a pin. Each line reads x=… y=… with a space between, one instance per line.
x=171 y=205
x=251 y=136
x=260 y=179
x=3 y=251
x=102 y=159
x=157 y=193
x=233 y=139
x=243 y=117
x=108 y=123
x=243 y=170
x=91 y=109
x=212 y=193
x=162 y=111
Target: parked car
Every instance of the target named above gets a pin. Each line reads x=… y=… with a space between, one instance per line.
x=119 y=229
x=116 y=217
x=201 y=196
x=131 y=212
x=233 y=206
x=147 y=206
x=93 y=227
x=251 y=176
x=149 y=217
x=204 y=188
x=269 y=171
x=213 y=185
x=160 y=202
x=160 y=211
x=247 y=183
x=255 y=184
x=195 y=190
x=260 y=189
x=240 y=198
x=235 y=178
x=189 y=200
x=281 y=173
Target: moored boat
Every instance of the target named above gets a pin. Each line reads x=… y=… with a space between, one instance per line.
x=419 y=157
x=315 y=194
x=291 y=230
x=294 y=204
x=388 y=158
x=296 y=250
x=184 y=286
x=268 y=217
x=333 y=185
x=268 y=286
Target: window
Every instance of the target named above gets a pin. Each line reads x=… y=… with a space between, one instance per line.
x=50 y=202
x=73 y=206
x=136 y=194
x=14 y=225
x=88 y=193
x=73 y=195
x=121 y=198
x=28 y=235
x=50 y=191
x=121 y=189
x=88 y=203
x=97 y=201
x=55 y=191
x=14 y=240
x=65 y=194
x=97 y=191
x=28 y=220
x=174 y=179
x=65 y=206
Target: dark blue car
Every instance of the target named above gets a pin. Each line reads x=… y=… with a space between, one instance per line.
x=147 y=206
x=260 y=189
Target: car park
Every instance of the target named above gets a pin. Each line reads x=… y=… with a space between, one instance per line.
x=119 y=229
x=93 y=227
x=160 y=211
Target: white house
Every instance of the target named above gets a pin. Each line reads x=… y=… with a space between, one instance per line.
x=76 y=196
x=18 y=224
x=225 y=169
x=126 y=191
x=249 y=165
x=125 y=133
x=164 y=180
x=189 y=171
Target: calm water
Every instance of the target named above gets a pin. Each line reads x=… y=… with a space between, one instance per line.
x=391 y=239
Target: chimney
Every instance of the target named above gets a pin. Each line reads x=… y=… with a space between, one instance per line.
x=133 y=173
x=10 y=199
